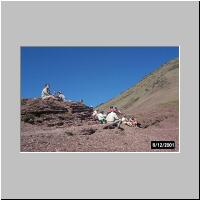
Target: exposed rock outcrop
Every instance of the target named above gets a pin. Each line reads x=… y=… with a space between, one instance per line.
x=53 y=112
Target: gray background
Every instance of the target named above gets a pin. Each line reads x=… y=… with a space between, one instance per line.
x=100 y=175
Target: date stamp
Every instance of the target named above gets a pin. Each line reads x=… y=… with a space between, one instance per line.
x=162 y=145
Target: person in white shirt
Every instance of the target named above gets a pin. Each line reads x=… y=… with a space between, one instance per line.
x=61 y=96
x=94 y=114
x=101 y=117
x=113 y=119
x=46 y=93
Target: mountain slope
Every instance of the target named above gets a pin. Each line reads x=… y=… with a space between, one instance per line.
x=54 y=126
x=159 y=89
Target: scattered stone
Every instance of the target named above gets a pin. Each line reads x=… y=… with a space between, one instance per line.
x=109 y=126
x=50 y=125
x=59 y=123
x=89 y=131
x=69 y=133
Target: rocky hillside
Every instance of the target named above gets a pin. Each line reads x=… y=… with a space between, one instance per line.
x=55 y=126
x=54 y=113
x=157 y=91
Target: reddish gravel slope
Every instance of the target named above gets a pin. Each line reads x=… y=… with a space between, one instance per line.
x=44 y=132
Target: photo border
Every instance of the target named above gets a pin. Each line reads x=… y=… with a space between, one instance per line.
x=77 y=152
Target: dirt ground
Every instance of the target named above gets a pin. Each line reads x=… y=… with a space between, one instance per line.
x=91 y=137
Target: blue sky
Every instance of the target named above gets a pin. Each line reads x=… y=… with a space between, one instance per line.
x=94 y=74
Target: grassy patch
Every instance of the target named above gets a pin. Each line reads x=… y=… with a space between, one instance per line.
x=173 y=67
x=28 y=118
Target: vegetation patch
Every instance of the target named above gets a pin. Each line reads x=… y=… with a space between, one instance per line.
x=28 y=118
x=173 y=67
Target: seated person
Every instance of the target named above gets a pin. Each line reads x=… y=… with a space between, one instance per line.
x=104 y=114
x=46 y=94
x=132 y=122
x=94 y=114
x=111 y=109
x=101 y=117
x=60 y=96
x=113 y=119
